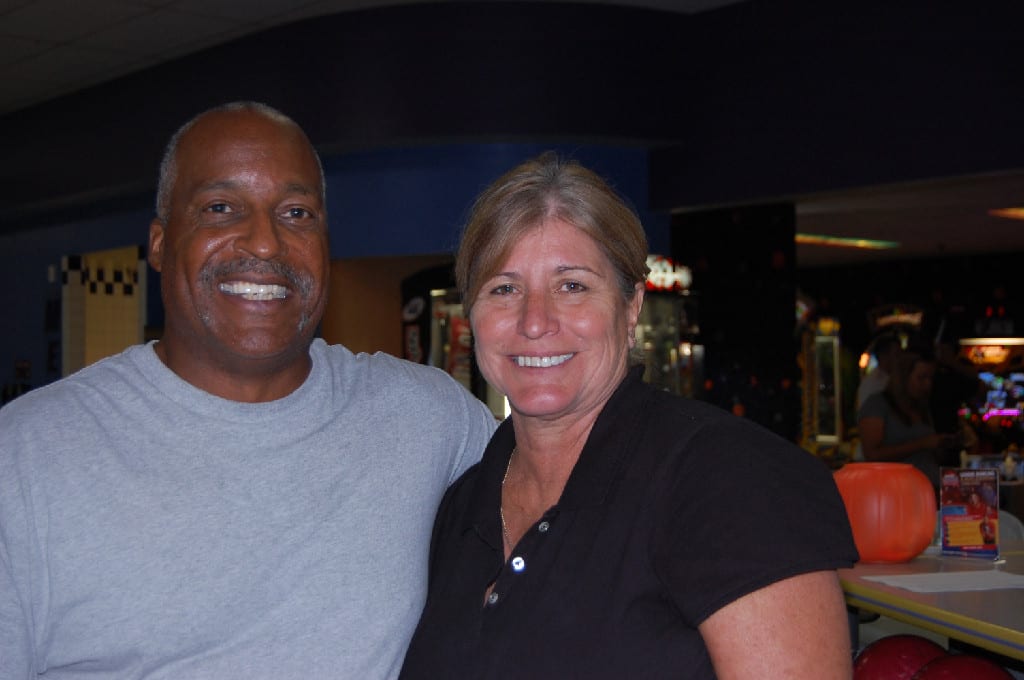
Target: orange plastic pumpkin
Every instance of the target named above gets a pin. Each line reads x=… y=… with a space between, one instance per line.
x=891 y=507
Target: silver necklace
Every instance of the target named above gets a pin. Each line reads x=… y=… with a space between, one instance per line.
x=501 y=503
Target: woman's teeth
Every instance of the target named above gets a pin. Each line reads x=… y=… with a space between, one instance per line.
x=543 y=362
x=254 y=291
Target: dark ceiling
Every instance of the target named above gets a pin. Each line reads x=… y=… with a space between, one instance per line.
x=928 y=92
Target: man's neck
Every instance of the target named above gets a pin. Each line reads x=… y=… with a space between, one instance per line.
x=244 y=379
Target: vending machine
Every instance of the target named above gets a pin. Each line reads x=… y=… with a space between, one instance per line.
x=667 y=332
x=437 y=333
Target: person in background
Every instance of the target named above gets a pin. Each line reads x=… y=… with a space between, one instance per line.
x=896 y=425
x=238 y=499
x=600 y=536
x=956 y=384
x=885 y=349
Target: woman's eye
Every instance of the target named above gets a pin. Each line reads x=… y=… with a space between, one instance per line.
x=503 y=289
x=573 y=286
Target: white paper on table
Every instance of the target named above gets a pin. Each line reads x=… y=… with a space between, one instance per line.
x=951 y=581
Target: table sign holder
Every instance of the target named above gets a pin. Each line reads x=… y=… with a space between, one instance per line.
x=969 y=512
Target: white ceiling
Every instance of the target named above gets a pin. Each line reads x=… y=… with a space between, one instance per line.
x=50 y=48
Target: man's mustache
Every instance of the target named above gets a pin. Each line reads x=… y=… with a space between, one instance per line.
x=300 y=282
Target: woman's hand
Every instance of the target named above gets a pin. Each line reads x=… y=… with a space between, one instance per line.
x=939 y=441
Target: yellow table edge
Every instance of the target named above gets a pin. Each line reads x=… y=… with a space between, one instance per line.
x=985 y=635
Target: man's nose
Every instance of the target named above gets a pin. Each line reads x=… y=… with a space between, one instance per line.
x=262 y=236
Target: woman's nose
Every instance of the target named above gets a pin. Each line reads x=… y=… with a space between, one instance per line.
x=539 y=315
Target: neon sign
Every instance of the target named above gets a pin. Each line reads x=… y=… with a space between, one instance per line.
x=666 y=275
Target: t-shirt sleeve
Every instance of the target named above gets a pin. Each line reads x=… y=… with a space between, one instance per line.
x=478 y=425
x=745 y=509
x=873 y=407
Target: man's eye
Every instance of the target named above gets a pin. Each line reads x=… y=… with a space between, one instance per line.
x=298 y=213
x=218 y=208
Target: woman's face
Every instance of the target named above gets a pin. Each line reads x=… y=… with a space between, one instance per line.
x=552 y=330
x=919 y=383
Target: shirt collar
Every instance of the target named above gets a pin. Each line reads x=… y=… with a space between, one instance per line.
x=607 y=448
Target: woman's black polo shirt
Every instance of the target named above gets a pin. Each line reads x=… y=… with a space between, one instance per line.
x=674 y=509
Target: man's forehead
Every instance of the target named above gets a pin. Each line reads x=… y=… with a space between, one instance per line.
x=241 y=127
x=215 y=151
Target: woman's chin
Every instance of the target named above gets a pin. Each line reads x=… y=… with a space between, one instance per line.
x=540 y=404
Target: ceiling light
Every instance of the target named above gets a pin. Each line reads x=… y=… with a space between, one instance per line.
x=845 y=242
x=1011 y=213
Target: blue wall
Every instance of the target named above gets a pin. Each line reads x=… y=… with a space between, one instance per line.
x=388 y=202
x=414 y=201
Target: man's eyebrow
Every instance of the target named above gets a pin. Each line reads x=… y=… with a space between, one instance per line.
x=291 y=187
x=219 y=184
x=296 y=188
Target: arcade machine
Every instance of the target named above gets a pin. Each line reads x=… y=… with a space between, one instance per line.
x=821 y=422
x=437 y=333
x=667 y=331
x=996 y=418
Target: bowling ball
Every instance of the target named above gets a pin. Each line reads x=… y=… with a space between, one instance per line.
x=962 y=667
x=895 y=657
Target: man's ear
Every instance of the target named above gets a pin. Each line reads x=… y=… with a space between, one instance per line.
x=156 y=244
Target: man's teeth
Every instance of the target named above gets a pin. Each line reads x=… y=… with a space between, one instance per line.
x=543 y=362
x=255 y=291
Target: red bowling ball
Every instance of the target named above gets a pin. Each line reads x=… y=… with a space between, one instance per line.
x=895 y=657
x=962 y=667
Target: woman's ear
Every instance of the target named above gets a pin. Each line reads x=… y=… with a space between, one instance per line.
x=633 y=312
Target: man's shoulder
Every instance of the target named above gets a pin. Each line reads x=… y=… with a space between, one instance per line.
x=382 y=367
x=99 y=377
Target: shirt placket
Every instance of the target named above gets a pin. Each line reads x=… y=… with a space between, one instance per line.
x=521 y=562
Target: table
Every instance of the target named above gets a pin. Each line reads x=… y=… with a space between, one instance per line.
x=989 y=619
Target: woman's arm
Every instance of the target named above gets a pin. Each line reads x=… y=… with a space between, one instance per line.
x=795 y=629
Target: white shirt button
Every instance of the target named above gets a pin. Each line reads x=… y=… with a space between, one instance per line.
x=518 y=564
x=492 y=598
x=543 y=527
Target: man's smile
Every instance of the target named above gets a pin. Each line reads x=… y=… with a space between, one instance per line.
x=254 y=291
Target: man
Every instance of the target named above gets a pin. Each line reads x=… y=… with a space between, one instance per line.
x=239 y=499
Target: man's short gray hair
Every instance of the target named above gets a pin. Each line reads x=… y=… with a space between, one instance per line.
x=169 y=162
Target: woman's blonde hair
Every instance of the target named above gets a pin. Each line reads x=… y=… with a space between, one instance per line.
x=541 y=188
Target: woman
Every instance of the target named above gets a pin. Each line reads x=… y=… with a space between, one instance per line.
x=600 y=536
x=895 y=424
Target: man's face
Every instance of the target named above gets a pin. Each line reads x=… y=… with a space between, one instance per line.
x=243 y=255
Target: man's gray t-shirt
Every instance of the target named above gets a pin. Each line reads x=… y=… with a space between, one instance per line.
x=151 y=530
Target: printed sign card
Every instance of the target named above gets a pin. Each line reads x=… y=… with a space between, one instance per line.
x=970 y=512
